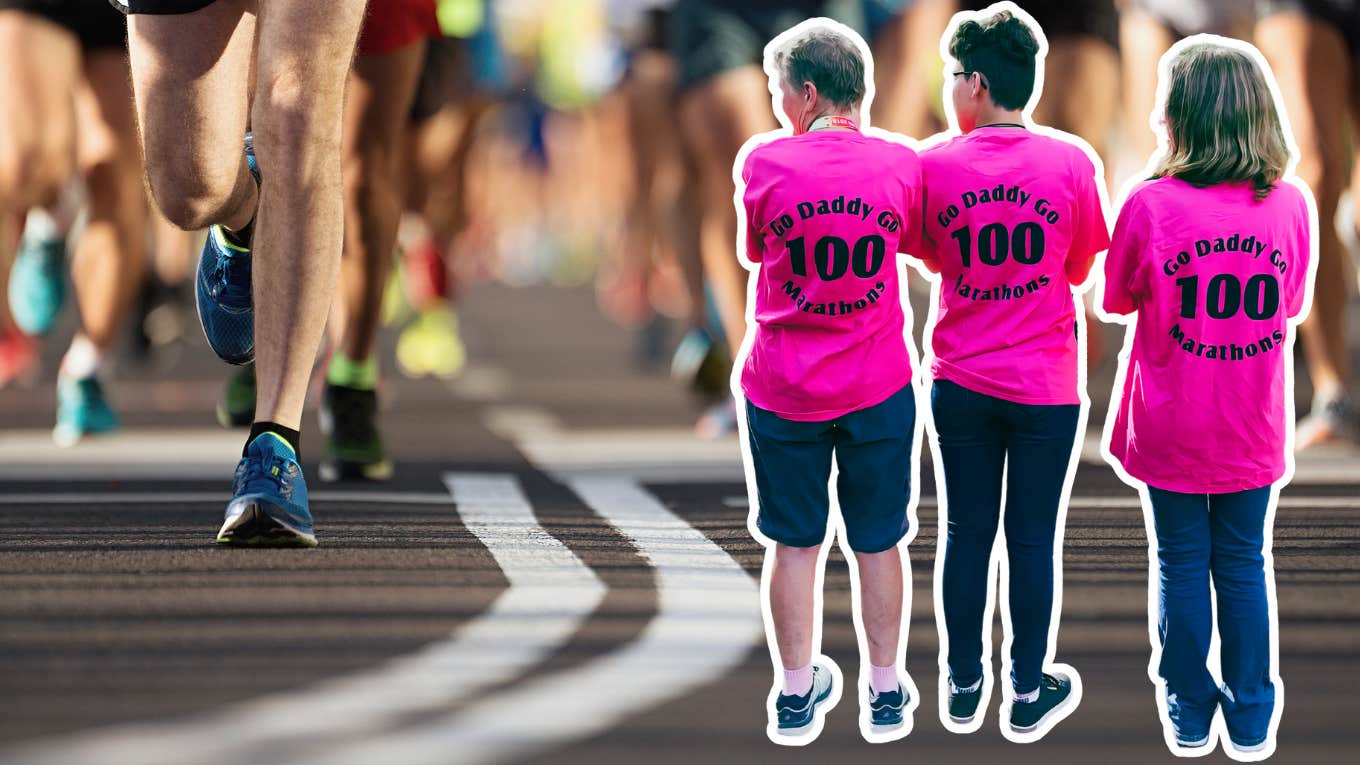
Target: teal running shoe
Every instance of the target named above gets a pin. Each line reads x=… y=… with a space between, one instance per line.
x=82 y=410
x=226 y=307
x=37 y=283
x=270 y=503
x=236 y=408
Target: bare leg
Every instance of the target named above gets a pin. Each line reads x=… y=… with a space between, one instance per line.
x=880 y=601
x=192 y=107
x=377 y=111
x=110 y=258
x=304 y=56
x=907 y=67
x=1314 y=70
x=1143 y=39
x=41 y=62
x=716 y=118
x=793 y=578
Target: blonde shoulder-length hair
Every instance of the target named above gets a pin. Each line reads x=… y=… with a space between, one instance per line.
x=1221 y=121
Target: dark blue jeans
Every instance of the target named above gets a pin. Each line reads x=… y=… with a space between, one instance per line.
x=978 y=435
x=1223 y=536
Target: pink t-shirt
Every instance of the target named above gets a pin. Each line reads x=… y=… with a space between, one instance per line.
x=1013 y=219
x=1213 y=275
x=826 y=215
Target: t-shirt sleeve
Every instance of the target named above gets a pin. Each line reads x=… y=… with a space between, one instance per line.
x=1125 y=271
x=1092 y=233
x=1296 y=281
x=750 y=199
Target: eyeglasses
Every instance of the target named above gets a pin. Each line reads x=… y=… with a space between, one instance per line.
x=982 y=78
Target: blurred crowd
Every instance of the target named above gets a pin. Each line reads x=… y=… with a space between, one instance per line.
x=571 y=142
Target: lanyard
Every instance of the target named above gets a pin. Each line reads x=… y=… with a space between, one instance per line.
x=832 y=121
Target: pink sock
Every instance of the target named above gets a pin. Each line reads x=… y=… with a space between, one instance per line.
x=883 y=679
x=797 y=682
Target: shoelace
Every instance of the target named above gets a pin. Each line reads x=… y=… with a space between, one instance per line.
x=233 y=276
x=267 y=477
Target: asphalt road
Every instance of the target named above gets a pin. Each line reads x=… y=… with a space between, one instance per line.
x=559 y=573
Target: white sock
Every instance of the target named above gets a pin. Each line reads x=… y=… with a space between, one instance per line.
x=970 y=689
x=82 y=359
x=1025 y=698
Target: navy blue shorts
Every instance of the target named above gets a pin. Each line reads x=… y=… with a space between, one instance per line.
x=872 y=448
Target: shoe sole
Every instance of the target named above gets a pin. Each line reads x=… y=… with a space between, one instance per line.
x=886 y=727
x=1061 y=707
x=331 y=471
x=963 y=720
x=1253 y=749
x=256 y=528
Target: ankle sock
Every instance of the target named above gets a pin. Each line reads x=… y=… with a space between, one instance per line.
x=883 y=679
x=349 y=373
x=240 y=238
x=1025 y=698
x=797 y=682
x=83 y=359
x=974 y=687
x=293 y=437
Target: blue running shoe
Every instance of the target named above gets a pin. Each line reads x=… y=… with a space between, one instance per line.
x=226 y=308
x=270 y=506
x=885 y=709
x=37 y=283
x=81 y=410
x=796 y=715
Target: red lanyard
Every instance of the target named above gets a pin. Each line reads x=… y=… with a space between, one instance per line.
x=832 y=121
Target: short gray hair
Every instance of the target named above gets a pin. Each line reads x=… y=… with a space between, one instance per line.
x=828 y=59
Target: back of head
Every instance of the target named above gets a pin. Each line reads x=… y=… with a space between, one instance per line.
x=1003 y=48
x=827 y=59
x=1221 y=120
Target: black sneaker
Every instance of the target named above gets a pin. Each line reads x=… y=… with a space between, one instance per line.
x=963 y=705
x=1055 y=695
x=236 y=407
x=885 y=709
x=353 y=448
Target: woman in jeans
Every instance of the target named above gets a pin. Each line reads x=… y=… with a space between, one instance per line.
x=1212 y=256
x=1014 y=220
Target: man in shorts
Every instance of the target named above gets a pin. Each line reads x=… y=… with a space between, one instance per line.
x=68 y=115
x=278 y=217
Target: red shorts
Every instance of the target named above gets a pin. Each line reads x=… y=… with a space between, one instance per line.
x=393 y=24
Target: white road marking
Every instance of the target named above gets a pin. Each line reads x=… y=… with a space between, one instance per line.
x=551 y=593
x=707 y=622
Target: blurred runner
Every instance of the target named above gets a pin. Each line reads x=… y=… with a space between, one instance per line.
x=1147 y=29
x=65 y=96
x=1313 y=46
x=722 y=101
x=192 y=67
x=905 y=36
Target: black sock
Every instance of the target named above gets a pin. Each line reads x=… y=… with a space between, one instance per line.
x=293 y=437
x=240 y=238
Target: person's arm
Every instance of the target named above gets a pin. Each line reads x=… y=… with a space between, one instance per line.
x=1298 y=280
x=1091 y=235
x=1125 y=271
x=750 y=198
x=916 y=241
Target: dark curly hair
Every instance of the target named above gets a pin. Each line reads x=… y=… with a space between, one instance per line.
x=1003 y=49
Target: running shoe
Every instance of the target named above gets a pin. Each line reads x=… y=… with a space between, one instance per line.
x=1055 y=693
x=225 y=305
x=431 y=346
x=702 y=364
x=270 y=503
x=718 y=420
x=885 y=709
x=18 y=358
x=1332 y=418
x=354 y=448
x=236 y=408
x=82 y=410
x=796 y=715
x=37 y=283
x=963 y=704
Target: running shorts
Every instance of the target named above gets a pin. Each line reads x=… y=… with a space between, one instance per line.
x=708 y=37
x=96 y=25
x=160 y=7
x=390 y=25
